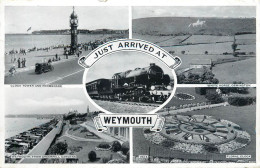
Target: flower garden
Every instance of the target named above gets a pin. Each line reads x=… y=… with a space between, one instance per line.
x=240 y=140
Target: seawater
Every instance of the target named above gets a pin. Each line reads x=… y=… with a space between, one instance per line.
x=17 y=41
x=14 y=126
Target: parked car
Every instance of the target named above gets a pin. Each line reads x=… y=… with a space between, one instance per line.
x=43 y=67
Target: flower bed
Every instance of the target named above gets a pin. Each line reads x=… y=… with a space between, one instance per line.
x=240 y=140
x=154 y=137
x=184 y=96
x=190 y=148
x=103 y=147
x=116 y=161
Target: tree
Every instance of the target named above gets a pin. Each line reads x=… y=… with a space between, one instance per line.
x=92 y=156
x=116 y=146
x=214 y=98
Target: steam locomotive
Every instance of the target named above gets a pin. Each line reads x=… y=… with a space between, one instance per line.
x=148 y=84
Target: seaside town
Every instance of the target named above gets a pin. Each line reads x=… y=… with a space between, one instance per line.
x=72 y=135
x=51 y=55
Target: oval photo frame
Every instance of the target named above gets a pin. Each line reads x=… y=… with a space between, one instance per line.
x=85 y=63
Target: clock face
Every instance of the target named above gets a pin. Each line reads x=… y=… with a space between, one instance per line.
x=76 y=21
x=71 y=21
x=197 y=129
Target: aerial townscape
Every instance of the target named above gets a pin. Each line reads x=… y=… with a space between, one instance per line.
x=72 y=134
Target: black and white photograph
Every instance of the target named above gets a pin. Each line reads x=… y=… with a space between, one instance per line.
x=214 y=43
x=202 y=124
x=129 y=82
x=132 y=83
x=58 y=122
x=43 y=43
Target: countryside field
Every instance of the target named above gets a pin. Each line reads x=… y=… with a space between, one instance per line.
x=211 y=41
x=244 y=71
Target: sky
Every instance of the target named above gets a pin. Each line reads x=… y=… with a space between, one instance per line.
x=36 y=100
x=108 y=65
x=194 y=11
x=19 y=18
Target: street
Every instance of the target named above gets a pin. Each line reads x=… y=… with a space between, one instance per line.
x=68 y=72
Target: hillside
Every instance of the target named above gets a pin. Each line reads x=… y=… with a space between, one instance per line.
x=81 y=31
x=183 y=25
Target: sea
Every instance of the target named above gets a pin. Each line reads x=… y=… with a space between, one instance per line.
x=14 y=126
x=27 y=41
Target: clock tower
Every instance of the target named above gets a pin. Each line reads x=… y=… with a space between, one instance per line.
x=73 y=32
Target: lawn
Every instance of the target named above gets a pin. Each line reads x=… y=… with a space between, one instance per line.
x=82 y=155
x=82 y=132
x=176 y=102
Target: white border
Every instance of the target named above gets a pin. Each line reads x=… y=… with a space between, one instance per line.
x=125 y=3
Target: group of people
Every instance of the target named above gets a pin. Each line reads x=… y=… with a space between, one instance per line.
x=21 y=63
x=56 y=58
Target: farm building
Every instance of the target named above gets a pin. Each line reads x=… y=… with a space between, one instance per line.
x=200 y=63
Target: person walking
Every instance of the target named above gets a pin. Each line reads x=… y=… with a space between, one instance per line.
x=19 y=63
x=24 y=62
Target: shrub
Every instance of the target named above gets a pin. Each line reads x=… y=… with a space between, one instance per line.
x=241 y=101
x=92 y=156
x=104 y=145
x=211 y=148
x=107 y=159
x=59 y=148
x=125 y=147
x=167 y=143
x=214 y=98
x=116 y=146
x=147 y=131
x=127 y=156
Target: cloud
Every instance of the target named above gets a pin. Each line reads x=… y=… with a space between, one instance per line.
x=54 y=101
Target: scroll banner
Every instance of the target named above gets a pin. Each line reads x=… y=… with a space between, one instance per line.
x=129 y=45
x=103 y=121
